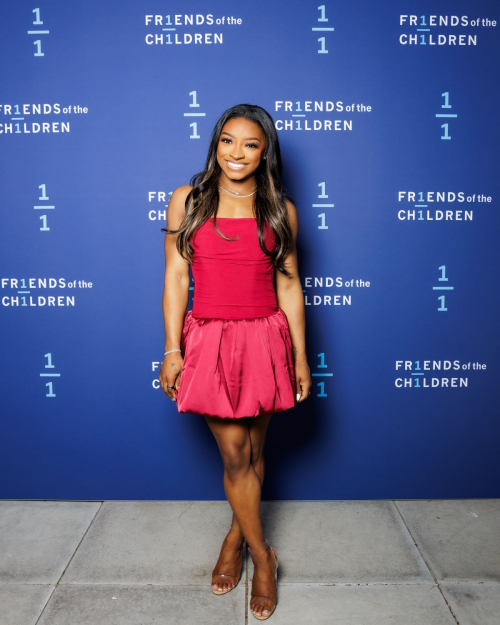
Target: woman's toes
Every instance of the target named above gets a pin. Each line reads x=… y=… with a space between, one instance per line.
x=260 y=610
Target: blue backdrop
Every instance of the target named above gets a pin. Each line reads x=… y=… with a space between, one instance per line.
x=387 y=114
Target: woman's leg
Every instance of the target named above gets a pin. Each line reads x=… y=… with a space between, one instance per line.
x=241 y=444
x=263 y=566
x=242 y=486
x=257 y=427
x=241 y=482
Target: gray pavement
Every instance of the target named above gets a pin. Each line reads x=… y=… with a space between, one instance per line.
x=404 y=562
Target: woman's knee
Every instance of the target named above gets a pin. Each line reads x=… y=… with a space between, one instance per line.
x=236 y=456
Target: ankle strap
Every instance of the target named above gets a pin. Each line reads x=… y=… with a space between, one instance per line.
x=260 y=548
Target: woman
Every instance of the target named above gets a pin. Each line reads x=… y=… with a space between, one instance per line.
x=239 y=355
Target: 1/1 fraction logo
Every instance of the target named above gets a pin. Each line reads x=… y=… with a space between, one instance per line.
x=321 y=373
x=322 y=19
x=38 y=43
x=446 y=105
x=442 y=298
x=48 y=373
x=194 y=104
x=43 y=218
x=322 y=196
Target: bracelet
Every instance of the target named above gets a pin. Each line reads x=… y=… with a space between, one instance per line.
x=304 y=363
x=171 y=350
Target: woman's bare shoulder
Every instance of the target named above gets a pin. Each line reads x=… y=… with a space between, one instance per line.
x=182 y=191
x=177 y=204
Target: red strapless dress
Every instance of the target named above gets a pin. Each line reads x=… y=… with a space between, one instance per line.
x=236 y=343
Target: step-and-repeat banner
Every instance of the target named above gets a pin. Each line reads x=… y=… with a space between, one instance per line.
x=387 y=115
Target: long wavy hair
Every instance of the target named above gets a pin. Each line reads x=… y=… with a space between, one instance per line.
x=269 y=204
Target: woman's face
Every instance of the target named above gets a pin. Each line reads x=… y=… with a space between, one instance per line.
x=240 y=149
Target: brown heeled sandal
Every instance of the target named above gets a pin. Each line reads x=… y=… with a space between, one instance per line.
x=273 y=597
x=231 y=579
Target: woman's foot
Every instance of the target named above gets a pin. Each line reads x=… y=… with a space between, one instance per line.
x=227 y=571
x=264 y=582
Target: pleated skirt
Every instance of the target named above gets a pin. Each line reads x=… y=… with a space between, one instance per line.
x=236 y=368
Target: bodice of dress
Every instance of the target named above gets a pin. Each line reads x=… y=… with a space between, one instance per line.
x=233 y=279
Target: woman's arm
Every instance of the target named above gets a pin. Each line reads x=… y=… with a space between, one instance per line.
x=175 y=293
x=291 y=300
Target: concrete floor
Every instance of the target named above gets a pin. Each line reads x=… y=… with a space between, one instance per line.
x=409 y=562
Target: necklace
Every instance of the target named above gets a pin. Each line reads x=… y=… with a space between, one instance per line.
x=237 y=193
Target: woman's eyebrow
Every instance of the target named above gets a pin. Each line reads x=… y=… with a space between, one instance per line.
x=247 y=139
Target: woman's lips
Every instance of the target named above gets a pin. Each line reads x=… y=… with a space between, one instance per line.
x=236 y=166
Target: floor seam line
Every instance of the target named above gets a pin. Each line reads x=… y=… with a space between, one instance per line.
x=68 y=563
x=434 y=577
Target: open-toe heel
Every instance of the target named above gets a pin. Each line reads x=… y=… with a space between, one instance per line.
x=224 y=578
x=274 y=596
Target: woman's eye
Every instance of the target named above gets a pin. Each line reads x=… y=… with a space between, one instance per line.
x=251 y=145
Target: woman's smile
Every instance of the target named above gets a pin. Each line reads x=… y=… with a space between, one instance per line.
x=235 y=166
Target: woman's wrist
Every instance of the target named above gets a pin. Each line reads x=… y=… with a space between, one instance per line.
x=169 y=351
x=300 y=356
x=172 y=345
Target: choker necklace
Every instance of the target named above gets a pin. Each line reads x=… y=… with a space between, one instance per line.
x=237 y=193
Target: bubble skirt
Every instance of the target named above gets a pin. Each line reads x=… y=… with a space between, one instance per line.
x=235 y=368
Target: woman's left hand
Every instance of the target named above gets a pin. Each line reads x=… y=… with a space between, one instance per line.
x=303 y=381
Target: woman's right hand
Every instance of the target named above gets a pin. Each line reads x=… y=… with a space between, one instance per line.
x=170 y=373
